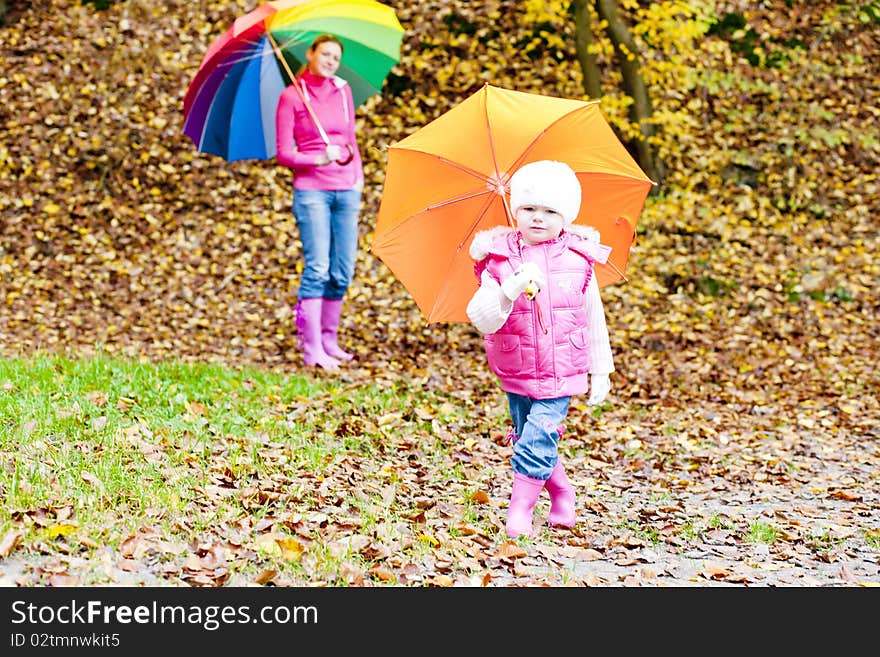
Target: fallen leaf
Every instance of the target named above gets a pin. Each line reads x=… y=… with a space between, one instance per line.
x=63 y=579
x=60 y=530
x=480 y=497
x=441 y=580
x=511 y=550
x=291 y=549
x=714 y=571
x=265 y=576
x=10 y=540
x=98 y=398
x=196 y=408
x=382 y=573
x=93 y=480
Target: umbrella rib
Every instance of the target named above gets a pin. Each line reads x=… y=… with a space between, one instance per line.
x=538 y=137
x=296 y=37
x=471 y=172
x=480 y=215
x=456 y=199
x=277 y=50
x=489 y=132
x=251 y=54
x=531 y=146
x=255 y=53
x=460 y=167
x=508 y=213
x=619 y=273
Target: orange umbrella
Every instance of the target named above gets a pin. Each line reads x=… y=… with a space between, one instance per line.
x=449 y=180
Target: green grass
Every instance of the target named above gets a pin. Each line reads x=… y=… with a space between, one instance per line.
x=690 y=531
x=825 y=541
x=94 y=451
x=719 y=522
x=641 y=530
x=315 y=479
x=761 y=532
x=99 y=435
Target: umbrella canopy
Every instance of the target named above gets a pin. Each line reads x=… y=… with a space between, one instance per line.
x=229 y=106
x=449 y=180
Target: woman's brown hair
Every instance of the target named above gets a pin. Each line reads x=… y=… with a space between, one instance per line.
x=321 y=38
x=324 y=38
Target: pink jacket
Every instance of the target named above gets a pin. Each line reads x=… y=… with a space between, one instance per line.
x=543 y=349
x=299 y=142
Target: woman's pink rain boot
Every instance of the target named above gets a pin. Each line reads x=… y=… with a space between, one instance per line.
x=308 y=325
x=330 y=311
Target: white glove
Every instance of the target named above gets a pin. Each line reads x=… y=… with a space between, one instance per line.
x=526 y=274
x=334 y=152
x=600 y=384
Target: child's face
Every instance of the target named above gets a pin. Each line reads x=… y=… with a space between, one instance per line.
x=538 y=223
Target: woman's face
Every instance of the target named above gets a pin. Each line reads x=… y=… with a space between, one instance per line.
x=324 y=59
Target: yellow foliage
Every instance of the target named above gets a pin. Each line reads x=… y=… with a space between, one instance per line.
x=540 y=11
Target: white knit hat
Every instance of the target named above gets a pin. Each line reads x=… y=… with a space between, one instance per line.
x=549 y=183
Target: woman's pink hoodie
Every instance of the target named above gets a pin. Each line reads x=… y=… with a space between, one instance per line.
x=299 y=143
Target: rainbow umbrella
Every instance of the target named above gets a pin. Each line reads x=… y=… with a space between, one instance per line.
x=229 y=106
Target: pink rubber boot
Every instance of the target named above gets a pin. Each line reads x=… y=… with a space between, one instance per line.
x=522 y=503
x=330 y=311
x=308 y=325
x=561 y=497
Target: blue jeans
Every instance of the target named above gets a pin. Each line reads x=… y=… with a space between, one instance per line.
x=328 y=229
x=536 y=434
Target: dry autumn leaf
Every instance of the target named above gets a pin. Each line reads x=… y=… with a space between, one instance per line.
x=93 y=481
x=511 y=550
x=291 y=549
x=10 y=540
x=64 y=529
x=265 y=576
x=480 y=497
x=382 y=573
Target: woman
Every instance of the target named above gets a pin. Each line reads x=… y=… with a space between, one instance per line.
x=316 y=139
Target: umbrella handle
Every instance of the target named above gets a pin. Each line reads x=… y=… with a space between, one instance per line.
x=350 y=157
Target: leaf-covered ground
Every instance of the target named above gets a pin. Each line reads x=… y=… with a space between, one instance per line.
x=746 y=393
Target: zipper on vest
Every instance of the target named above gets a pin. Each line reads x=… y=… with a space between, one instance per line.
x=550 y=301
x=540 y=316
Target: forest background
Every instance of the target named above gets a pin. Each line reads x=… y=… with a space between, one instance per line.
x=745 y=398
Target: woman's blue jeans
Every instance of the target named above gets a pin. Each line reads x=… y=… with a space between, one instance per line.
x=536 y=433
x=328 y=229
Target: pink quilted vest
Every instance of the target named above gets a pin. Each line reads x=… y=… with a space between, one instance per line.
x=542 y=351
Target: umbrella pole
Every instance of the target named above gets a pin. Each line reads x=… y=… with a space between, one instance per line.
x=508 y=213
x=280 y=56
x=296 y=84
x=619 y=273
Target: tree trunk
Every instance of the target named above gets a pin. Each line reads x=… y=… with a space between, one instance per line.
x=641 y=111
x=582 y=43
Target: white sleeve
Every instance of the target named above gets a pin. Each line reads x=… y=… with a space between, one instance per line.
x=486 y=309
x=600 y=343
